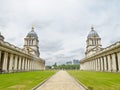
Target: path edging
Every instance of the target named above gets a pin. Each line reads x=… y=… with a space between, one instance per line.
x=34 y=88
x=86 y=88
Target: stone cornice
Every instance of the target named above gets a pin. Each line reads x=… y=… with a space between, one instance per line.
x=5 y=46
x=106 y=51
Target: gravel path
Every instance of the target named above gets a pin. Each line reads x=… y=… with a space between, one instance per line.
x=61 y=81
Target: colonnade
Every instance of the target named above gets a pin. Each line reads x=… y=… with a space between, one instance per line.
x=105 y=60
x=16 y=60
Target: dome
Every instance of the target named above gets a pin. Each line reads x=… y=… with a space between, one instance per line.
x=32 y=33
x=93 y=33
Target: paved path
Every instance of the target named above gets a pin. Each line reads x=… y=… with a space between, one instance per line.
x=61 y=81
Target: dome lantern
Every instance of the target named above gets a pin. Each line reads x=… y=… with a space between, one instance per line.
x=32 y=33
x=93 y=42
x=93 y=33
x=31 y=42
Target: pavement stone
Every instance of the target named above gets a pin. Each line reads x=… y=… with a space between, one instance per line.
x=61 y=81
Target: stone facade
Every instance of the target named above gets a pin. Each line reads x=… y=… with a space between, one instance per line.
x=14 y=59
x=107 y=59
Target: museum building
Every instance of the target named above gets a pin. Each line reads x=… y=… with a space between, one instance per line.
x=15 y=59
x=98 y=58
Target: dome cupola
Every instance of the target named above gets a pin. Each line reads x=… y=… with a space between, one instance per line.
x=93 y=42
x=93 y=33
x=31 y=42
x=32 y=33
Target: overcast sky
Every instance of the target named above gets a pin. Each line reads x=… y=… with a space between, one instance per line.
x=62 y=25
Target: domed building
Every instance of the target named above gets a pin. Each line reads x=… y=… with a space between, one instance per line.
x=98 y=58
x=15 y=59
x=93 y=42
x=31 y=43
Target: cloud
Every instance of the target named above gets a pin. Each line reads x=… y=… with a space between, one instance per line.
x=51 y=46
x=62 y=25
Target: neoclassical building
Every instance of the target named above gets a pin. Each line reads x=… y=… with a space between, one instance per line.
x=15 y=59
x=98 y=58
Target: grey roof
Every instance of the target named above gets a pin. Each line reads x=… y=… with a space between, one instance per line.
x=93 y=33
x=32 y=34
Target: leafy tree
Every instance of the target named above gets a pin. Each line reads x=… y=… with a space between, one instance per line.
x=68 y=67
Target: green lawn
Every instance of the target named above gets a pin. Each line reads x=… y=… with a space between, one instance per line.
x=98 y=80
x=23 y=80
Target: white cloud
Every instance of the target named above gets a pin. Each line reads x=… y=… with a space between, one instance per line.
x=62 y=25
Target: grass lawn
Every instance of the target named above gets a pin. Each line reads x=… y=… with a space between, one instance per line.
x=23 y=80
x=98 y=80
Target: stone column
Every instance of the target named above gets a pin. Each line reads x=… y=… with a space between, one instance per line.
x=11 y=63
x=16 y=61
x=101 y=64
x=93 y=65
x=90 y=65
x=96 y=64
x=83 y=66
x=41 y=65
x=105 y=64
x=0 y=61
x=117 y=64
x=19 y=68
x=33 y=65
x=38 y=63
x=114 y=63
x=86 y=66
x=23 y=64
x=26 y=64
x=5 y=60
x=109 y=63
x=29 y=64
x=118 y=55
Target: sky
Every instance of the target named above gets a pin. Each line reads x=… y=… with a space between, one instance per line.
x=62 y=25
